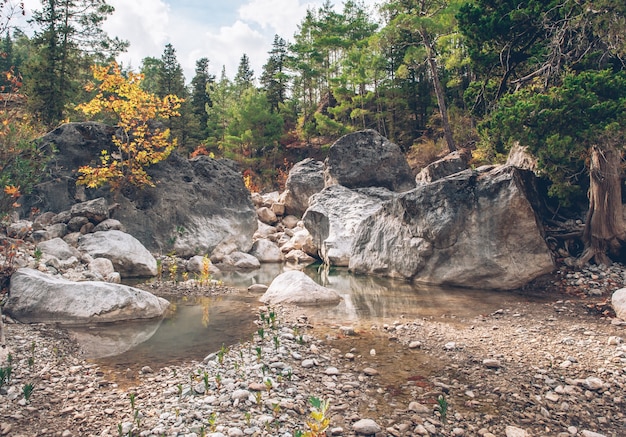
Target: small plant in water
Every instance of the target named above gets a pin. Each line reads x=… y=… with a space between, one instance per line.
x=442 y=408
x=247 y=417
x=276 y=342
x=37 y=254
x=218 y=380
x=205 y=275
x=261 y=333
x=173 y=270
x=258 y=353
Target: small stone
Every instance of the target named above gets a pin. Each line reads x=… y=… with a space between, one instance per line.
x=307 y=363
x=415 y=345
x=513 y=431
x=146 y=369
x=256 y=386
x=235 y=432
x=347 y=330
x=450 y=346
x=370 y=372
x=585 y=433
x=366 y=427
x=67 y=433
x=419 y=408
x=336 y=431
x=332 y=371
x=491 y=363
x=349 y=356
x=593 y=383
x=614 y=340
x=241 y=395
x=373 y=352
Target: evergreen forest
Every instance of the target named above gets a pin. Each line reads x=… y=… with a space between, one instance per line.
x=433 y=76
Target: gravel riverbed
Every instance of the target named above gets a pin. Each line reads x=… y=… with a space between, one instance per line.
x=548 y=363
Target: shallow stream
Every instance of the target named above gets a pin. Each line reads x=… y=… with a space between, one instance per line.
x=196 y=327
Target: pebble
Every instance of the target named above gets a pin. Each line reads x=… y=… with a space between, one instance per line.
x=366 y=427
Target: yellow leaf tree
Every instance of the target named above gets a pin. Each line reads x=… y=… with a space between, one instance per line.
x=139 y=142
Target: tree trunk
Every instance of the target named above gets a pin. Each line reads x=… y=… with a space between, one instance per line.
x=441 y=102
x=605 y=228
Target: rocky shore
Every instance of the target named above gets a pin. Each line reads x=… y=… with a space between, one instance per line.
x=551 y=363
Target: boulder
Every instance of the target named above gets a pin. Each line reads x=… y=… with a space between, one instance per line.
x=35 y=297
x=334 y=216
x=367 y=159
x=96 y=210
x=295 y=287
x=129 y=257
x=446 y=166
x=267 y=216
x=266 y=251
x=240 y=260
x=101 y=266
x=109 y=225
x=195 y=204
x=470 y=229
x=305 y=179
x=196 y=264
x=618 y=301
x=58 y=248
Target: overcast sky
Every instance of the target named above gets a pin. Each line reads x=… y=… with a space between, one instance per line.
x=220 y=30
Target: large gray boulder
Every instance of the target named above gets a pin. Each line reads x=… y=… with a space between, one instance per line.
x=35 y=297
x=129 y=257
x=334 y=217
x=471 y=229
x=295 y=287
x=367 y=159
x=305 y=179
x=195 y=205
x=618 y=301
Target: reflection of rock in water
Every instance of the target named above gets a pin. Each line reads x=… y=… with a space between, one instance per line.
x=114 y=339
x=367 y=298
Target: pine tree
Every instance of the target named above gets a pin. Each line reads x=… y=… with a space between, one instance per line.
x=200 y=99
x=274 y=79
x=244 y=79
x=68 y=38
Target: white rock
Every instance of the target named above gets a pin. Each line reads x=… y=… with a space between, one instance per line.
x=366 y=427
x=129 y=257
x=37 y=297
x=618 y=301
x=296 y=287
x=512 y=431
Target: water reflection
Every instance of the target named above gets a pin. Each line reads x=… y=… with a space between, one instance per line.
x=194 y=328
x=370 y=299
x=198 y=326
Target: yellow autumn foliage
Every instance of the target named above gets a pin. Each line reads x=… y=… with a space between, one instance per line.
x=139 y=143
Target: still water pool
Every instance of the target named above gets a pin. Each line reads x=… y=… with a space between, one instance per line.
x=196 y=327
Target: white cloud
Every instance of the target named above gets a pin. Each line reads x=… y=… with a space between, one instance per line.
x=282 y=16
x=226 y=46
x=145 y=23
